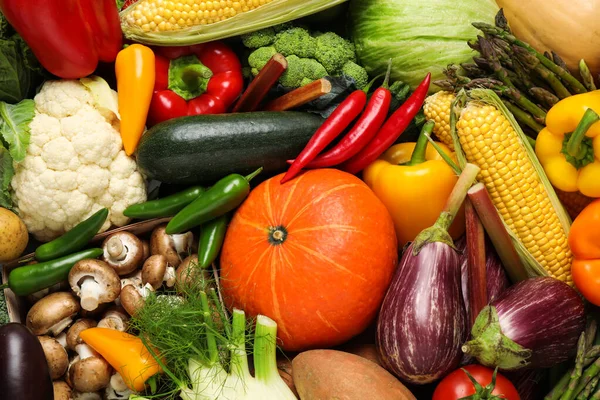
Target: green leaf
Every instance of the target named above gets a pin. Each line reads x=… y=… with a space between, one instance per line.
x=6 y=174
x=14 y=126
x=5 y=28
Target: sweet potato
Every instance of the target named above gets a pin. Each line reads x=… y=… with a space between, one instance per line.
x=335 y=375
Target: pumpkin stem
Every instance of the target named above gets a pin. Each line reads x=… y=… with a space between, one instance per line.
x=277 y=235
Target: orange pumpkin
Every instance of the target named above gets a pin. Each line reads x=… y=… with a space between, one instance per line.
x=315 y=254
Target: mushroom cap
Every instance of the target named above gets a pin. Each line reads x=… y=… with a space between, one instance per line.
x=80 y=325
x=90 y=374
x=131 y=299
x=188 y=271
x=56 y=356
x=115 y=318
x=146 y=249
x=131 y=249
x=102 y=274
x=51 y=310
x=62 y=391
x=154 y=269
x=170 y=246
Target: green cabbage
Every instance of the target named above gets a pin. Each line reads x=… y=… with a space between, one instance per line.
x=419 y=36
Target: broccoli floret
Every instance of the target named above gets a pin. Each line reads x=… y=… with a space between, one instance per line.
x=259 y=57
x=295 y=41
x=333 y=51
x=260 y=38
x=282 y=27
x=306 y=81
x=313 y=70
x=356 y=72
x=294 y=73
x=3 y=309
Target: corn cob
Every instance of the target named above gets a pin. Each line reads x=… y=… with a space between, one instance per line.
x=574 y=202
x=491 y=139
x=437 y=108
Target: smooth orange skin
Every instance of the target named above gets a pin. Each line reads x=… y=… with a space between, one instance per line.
x=586 y=276
x=135 y=73
x=327 y=280
x=414 y=195
x=125 y=353
x=584 y=241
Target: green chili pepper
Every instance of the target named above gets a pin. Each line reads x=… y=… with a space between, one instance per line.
x=74 y=240
x=32 y=278
x=211 y=240
x=224 y=196
x=165 y=207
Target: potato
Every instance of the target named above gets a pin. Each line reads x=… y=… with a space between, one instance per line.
x=331 y=374
x=13 y=235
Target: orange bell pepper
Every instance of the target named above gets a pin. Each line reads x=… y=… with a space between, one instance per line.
x=414 y=183
x=584 y=240
x=135 y=73
x=125 y=353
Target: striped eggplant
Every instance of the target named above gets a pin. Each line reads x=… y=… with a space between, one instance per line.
x=422 y=323
x=535 y=324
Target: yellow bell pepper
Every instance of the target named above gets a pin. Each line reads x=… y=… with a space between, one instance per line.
x=125 y=353
x=414 y=182
x=135 y=71
x=569 y=147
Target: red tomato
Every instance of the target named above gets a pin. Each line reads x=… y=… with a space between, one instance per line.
x=458 y=385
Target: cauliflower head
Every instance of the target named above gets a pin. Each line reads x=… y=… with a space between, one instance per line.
x=75 y=164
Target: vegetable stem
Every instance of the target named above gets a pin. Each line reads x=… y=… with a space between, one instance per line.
x=239 y=358
x=444 y=156
x=477 y=283
x=213 y=352
x=586 y=76
x=574 y=145
x=497 y=232
x=457 y=196
x=418 y=154
x=265 y=364
x=576 y=373
x=253 y=175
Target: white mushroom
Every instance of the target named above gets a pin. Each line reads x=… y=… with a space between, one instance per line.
x=173 y=247
x=56 y=356
x=123 y=251
x=114 y=318
x=80 y=325
x=91 y=372
x=62 y=391
x=117 y=389
x=95 y=282
x=85 y=396
x=157 y=270
x=52 y=314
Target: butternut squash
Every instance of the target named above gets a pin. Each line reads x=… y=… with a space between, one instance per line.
x=570 y=28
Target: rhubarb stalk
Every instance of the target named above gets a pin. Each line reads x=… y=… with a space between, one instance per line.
x=477 y=287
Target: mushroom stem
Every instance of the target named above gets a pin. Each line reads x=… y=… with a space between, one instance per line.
x=84 y=351
x=90 y=293
x=183 y=242
x=60 y=326
x=117 y=383
x=170 y=277
x=116 y=249
x=62 y=339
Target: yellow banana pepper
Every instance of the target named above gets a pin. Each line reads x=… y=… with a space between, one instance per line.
x=569 y=147
x=414 y=182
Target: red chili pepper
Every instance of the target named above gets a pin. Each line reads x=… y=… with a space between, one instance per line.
x=68 y=37
x=339 y=120
x=390 y=131
x=191 y=80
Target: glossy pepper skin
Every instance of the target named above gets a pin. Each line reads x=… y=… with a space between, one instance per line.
x=135 y=73
x=209 y=91
x=576 y=168
x=414 y=195
x=25 y=374
x=68 y=37
x=584 y=241
x=125 y=353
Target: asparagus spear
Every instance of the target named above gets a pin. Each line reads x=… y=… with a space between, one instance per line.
x=558 y=61
x=523 y=117
x=586 y=76
x=532 y=63
x=473 y=70
x=491 y=55
x=589 y=374
x=588 y=390
x=577 y=371
x=544 y=96
x=501 y=21
x=562 y=73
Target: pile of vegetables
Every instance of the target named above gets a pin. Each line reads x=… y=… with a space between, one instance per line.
x=270 y=200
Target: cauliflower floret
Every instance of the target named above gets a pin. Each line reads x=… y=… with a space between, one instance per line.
x=74 y=165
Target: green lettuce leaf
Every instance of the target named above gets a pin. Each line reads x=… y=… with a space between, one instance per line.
x=6 y=174
x=14 y=126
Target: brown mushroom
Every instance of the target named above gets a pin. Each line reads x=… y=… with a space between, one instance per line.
x=80 y=325
x=62 y=286
x=173 y=247
x=123 y=251
x=52 y=314
x=91 y=372
x=62 y=391
x=145 y=249
x=157 y=270
x=95 y=282
x=95 y=314
x=189 y=272
x=114 y=318
x=56 y=356
x=132 y=298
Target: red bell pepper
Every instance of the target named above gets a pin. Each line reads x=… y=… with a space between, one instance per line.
x=191 y=80
x=68 y=37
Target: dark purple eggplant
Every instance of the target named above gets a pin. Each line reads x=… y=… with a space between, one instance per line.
x=422 y=322
x=497 y=281
x=531 y=383
x=24 y=373
x=535 y=324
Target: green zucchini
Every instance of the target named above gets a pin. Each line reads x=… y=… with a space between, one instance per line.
x=205 y=148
